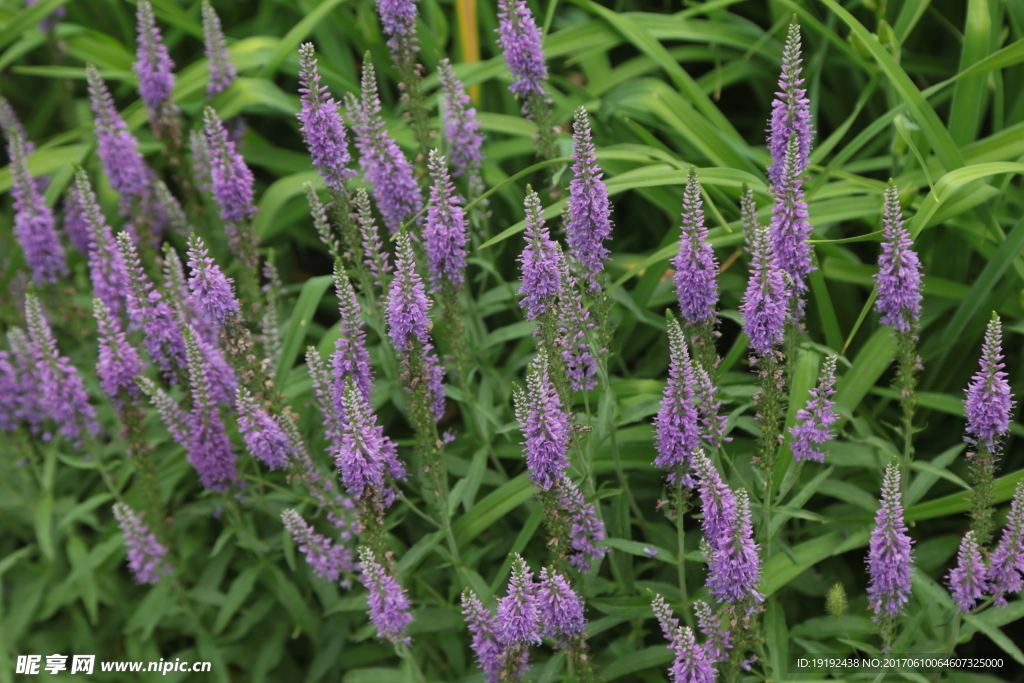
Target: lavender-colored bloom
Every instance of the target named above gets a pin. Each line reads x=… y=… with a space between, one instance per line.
x=899 y=271
x=201 y=160
x=374 y=256
x=713 y=425
x=766 y=299
x=171 y=414
x=561 y=611
x=588 y=224
x=718 y=638
x=540 y=262
x=461 y=127
x=263 y=437
x=75 y=226
x=398 y=18
x=677 y=429
x=209 y=449
x=695 y=265
x=328 y=399
x=384 y=165
x=153 y=63
x=350 y=358
x=967 y=582
x=146 y=555
x=326 y=558
x=211 y=290
x=106 y=265
x=816 y=417
x=1006 y=564
x=718 y=504
x=889 y=554
x=518 y=612
x=9 y=120
x=790 y=228
x=222 y=71
x=586 y=529
x=230 y=179
x=361 y=458
x=734 y=568
x=580 y=359
x=119 y=362
x=520 y=42
x=10 y=391
x=545 y=425
x=117 y=148
x=389 y=606
x=691 y=664
x=33 y=218
x=485 y=643
x=27 y=402
x=322 y=126
x=989 y=401
x=444 y=233
x=791 y=114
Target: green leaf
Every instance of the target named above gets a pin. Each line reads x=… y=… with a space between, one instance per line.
x=274 y=199
x=299 y=32
x=491 y=508
x=648 y=658
x=241 y=589
x=26 y=19
x=44 y=525
x=302 y=314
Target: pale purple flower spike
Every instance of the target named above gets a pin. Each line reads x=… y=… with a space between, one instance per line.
x=153 y=64
x=218 y=62
x=989 y=401
x=816 y=417
x=1006 y=564
x=326 y=558
x=889 y=553
x=677 y=428
x=484 y=628
x=539 y=262
x=899 y=270
x=388 y=603
x=146 y=555
x=967 y=582
x=695 y=267
x=544 y=424
x=520 y=42
x=588 y=225
x=791 y=115
x=691 y=664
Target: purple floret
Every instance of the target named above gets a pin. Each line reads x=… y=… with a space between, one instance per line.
x=899 y=270
x=989 y=401
x=889 y=554
x=695 y=267
x=816 y=417
x=545 y=425
x=539 y=262
x=444 y=233
x=146 y=555
x=326 y=558
x=588 y=213
x=322 y=126
x=766 y=299
x=791 y=114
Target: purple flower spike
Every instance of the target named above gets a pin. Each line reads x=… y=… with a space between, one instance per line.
x=75 y=226
x=520 y=42
x=326 y=558
x=33 y=219
x=389 y=606
x=967 y=582
x=374 y=256
x=718 y=504
x=790 y=228
x=461 y=127
x=889 y=554
x=119 y=362
x=222 y=71
x=713 y=425
x=580 y=358
x=677 y=429
x=718 y=637
x=899 y=271
x=444 y=233
x=485 y=644
x=209 y=449
x=230 y=179
x=171 y=414
x=691 y=664
x=1006 y=564
x=695 y=265
x=106 y=265
x=407 y=301
x=211 y=291
x=21 y=398
x=989 y=400
x=518 y=612
x=8 y=120
x=322 y=126
x=153 y=64
x=384 y=165
x=816 y=417
x=366 y=456
x=586 y=530
x=588 y=225
x=734 y=568
x=791 y=114
x=263 y=437
x=540 y=262
x=350 y=358
x=545 y=425
x=398 y=18
x=561 y=611
x=766 y=300
x=201 y=160
x=146 y=555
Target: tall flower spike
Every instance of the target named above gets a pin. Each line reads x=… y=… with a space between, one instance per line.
x=889 y=554
x=580 y=358
x=691 y=664
x=1006 y=564
x=201 y=160
x=967 y=582
x=33 y=218
x=485 y=644
x=222 y=71
x=389 y=606
x=561 y=611
x=734 y=568
x=713 y=425
x=520 y=42
x=230 y=179
x=899 y=271
x=518 y=612
x=790 y=228
x=544 y=424
x=398 y=18
x=263 y=437
x=407 y=301
x=374 y=256
x=75 y=226
x=589 y=224
x=695 y=265
x=364 y=459
x=539 y=262
x=791 y=115
x=677 y=429
x=766 y=299
x=9 y=120
x=326 y=558
x=384 y=165
x=718 y=638
x=989 y=400
x=461 y=128
x=23 y=374
x=211 y=290
x=718 y=504
x=171 y=414
x=209 y=449
x=816 y=417
x=350 y=359
x=146 y=555
x=106 y=265
x=322 y=126
x=153 y=64
x=444 y=233
x=119 y=362
x=586 y=530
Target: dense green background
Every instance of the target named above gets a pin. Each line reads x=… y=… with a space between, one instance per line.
x=929 y=93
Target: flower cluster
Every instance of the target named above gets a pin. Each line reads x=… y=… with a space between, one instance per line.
x=889 y=554
x=816 y=417
x=146 y=555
